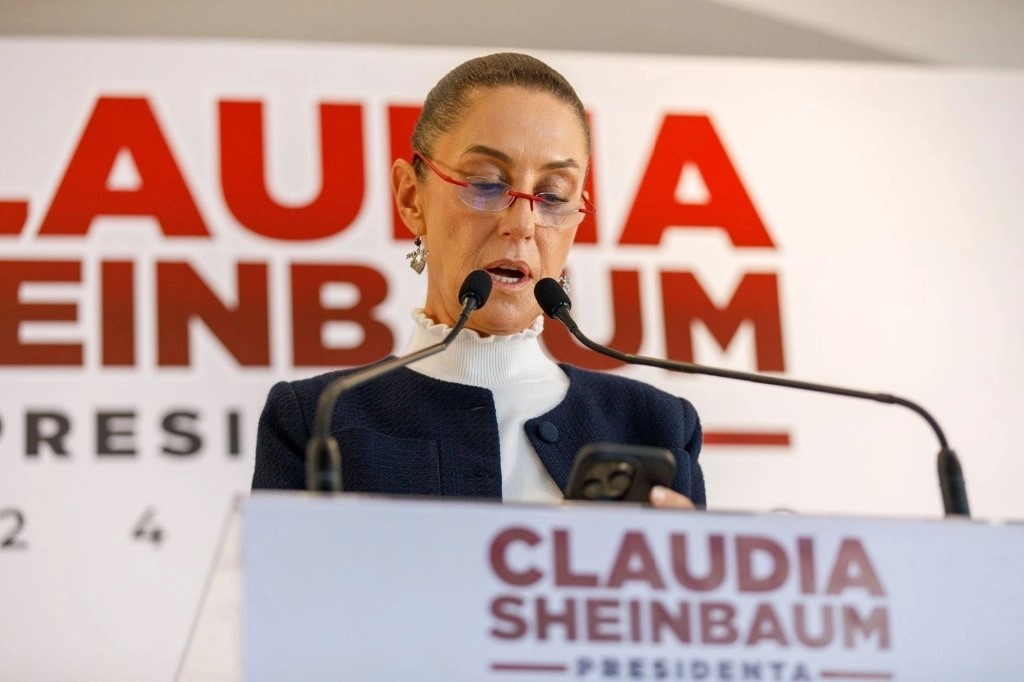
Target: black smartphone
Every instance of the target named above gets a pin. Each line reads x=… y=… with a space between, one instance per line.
x=612 y=471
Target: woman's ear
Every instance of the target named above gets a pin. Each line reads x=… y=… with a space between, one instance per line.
x=408 y=199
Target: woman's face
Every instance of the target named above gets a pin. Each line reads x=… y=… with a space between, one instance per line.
x=531 y=141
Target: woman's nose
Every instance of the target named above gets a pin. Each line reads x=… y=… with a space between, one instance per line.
x=519 y=219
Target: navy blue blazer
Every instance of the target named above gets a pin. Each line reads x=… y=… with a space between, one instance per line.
x=406 y=433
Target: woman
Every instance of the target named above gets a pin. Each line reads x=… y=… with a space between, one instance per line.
x=496 y=183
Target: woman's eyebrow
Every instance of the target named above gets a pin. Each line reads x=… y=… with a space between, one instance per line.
x=505 y=158
x=488 y=151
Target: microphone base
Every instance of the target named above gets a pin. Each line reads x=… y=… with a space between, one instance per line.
x=951 y=482
x=323 y=465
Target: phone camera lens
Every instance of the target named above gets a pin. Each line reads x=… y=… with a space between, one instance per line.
x=593 y=489
x=618 y=483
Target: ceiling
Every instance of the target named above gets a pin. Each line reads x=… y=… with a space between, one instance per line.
x=981 y=33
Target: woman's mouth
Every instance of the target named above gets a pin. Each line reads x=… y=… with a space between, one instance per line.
x=506 y=275
x=509 y=274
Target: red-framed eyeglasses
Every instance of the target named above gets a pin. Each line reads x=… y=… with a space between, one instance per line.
x=488 y=194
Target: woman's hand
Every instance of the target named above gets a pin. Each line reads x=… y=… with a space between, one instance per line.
x=667 y=498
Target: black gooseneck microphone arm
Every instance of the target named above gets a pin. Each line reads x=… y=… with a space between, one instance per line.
x=555 y=303
x=323 y=456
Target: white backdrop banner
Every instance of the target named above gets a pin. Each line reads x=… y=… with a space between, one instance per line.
x=184 y=223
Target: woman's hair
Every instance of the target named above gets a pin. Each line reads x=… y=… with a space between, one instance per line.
x=447 y=101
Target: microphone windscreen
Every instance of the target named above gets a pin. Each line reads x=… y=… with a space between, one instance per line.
x=551 y=296
x=476 y=285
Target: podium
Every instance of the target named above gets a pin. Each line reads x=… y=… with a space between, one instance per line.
x=358 y=587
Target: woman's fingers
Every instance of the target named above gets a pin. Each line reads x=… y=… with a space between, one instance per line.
x=669 y=499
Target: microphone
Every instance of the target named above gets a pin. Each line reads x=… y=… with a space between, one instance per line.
x=323 y=457
x=556 y=304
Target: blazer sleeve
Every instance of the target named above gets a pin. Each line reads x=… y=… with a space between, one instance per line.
x=281 y=442
x=694 y=487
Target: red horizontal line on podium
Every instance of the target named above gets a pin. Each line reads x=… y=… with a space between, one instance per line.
x=530 y=667
x=747 y=438
x=854 y=675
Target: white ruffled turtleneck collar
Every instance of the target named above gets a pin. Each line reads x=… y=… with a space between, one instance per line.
x=484 y=361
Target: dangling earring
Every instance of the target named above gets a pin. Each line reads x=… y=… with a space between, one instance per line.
x=565 y=283
x=418 y=258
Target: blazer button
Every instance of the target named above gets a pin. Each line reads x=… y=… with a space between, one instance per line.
x=548 y=432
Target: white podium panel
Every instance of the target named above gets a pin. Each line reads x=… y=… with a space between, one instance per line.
x=367 y=588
